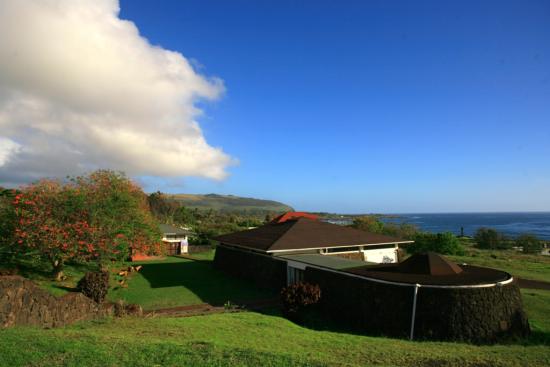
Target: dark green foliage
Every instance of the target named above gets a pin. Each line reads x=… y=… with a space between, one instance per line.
x=161 y=207
x=7 y=224
x=200 y=239
x=369 y=223
x=488 y=238
x=530 y=243
x=373 y=224
x=295 y=298
x=94 y=285
x=442 y=243
x=184 y=216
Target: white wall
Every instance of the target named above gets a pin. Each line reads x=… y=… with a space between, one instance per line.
x=383 y=255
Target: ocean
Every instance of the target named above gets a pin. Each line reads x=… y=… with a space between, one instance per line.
x=511 y=224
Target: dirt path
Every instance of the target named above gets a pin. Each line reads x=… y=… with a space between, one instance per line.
x=533 y=284
x=207 y=309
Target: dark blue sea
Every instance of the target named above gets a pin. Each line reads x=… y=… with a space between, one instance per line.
x=511 y=224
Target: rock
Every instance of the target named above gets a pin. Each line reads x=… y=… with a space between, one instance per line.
x=24 y=303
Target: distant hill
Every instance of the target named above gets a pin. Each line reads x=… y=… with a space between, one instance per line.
x=229 y=203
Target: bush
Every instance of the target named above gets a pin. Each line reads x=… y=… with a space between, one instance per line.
x=296 y=297
x=373 y=224
x=442 y=243
x=94 y=285
x=488 y=238
x=530 y=243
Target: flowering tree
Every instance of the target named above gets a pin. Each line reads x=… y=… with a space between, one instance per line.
x=95 y=217
x=7 y=222
x=120 y=212
x=50 y=219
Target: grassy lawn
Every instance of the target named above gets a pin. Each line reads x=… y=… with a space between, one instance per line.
x=174 y=281
x=180 y=282
x=240 y=339
x=520 y=265
x=537 y=306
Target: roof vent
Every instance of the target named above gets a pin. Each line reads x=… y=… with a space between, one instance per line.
x=293 y=215
x=429 y=263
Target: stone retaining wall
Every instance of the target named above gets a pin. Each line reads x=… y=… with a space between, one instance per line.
x=22 y=302
x=478 y=315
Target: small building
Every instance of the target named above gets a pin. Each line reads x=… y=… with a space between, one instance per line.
x=176 y=239
x=364 y=286
x=300 y=239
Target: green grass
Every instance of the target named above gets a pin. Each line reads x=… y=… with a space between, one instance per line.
x=243 y=339
x=180 y=282
x=536 y=267
x=171 y=282
x=240 y=339
x=208 y=255
x=537 y=305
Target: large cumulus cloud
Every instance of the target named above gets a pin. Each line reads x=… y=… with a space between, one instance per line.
x=81 y=89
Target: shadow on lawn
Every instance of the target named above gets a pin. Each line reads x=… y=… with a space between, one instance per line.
x=209 y=284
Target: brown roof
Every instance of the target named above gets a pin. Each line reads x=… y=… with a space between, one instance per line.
x=429 y=263
x=303 y=233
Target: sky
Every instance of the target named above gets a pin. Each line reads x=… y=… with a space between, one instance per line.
x=338 y=106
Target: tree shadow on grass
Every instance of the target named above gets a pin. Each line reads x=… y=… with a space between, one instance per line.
x=201 y=278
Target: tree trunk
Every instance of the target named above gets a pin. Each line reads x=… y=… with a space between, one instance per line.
x=58 y=270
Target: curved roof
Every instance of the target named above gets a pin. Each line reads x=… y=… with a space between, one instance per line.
x=431 y=269
x=303 y=234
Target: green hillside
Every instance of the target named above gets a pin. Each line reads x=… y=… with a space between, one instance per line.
x=229 y=203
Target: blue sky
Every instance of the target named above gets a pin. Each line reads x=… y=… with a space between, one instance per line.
x=369 y=106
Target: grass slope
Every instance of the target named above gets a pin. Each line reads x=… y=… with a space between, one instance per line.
x=229 y=203
x=240 y=339
x=244 y=339
x=536 y=267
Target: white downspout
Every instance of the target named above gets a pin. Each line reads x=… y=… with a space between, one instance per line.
x=416 y=286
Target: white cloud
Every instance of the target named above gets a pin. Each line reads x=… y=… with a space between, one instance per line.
x=7 y=149
x=81 y=89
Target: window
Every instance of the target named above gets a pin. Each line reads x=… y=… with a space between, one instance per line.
x=342 y=249
x=294 y=275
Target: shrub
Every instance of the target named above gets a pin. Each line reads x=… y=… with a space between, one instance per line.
x=488 y=238
x=530 y=243
x=94 y=285
x=442 y=243
x=373 y=224
x=296 y=297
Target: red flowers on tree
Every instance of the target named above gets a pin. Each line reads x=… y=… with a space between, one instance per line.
x=99 y=216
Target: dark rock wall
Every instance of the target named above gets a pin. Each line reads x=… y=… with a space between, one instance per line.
x=22 y=302
x=264 y=271
x=365 y=306
x=479 y=315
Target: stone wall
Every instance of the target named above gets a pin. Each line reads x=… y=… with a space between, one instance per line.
x=366 y=307
x=264 y=271
x=478 y=315
x=22 y=302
